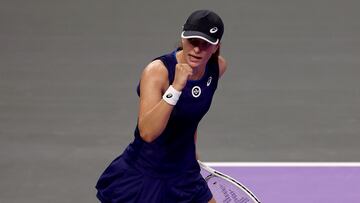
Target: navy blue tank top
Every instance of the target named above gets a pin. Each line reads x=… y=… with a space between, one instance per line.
x=174 y=150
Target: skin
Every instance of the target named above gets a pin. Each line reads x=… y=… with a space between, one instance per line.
x=154 y=112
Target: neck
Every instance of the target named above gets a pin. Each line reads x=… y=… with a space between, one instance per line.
x=197 y=73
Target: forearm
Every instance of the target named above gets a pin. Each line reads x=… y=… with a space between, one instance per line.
x=153 y=122
x=155 y=105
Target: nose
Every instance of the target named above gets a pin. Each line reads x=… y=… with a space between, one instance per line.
x=197 y=49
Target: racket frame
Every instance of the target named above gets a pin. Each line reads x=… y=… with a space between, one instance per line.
x=215 y=173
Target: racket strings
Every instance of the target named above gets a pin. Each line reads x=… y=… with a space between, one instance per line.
x=225 y=189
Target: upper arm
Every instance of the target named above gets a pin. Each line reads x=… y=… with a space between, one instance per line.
x=153 y=83
x=222 y=65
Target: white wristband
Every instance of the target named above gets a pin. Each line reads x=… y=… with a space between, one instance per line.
x=171 y=95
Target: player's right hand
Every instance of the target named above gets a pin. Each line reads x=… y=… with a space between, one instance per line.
x=182 y=73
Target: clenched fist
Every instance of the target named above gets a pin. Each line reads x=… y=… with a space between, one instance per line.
x=182 y=73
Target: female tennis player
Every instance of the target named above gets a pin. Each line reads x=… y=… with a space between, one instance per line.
x=175 y=91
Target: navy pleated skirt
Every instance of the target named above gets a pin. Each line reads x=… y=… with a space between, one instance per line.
x=122 y=182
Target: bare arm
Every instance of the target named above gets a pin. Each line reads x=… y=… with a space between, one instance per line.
x=222 y=65
x=154 y=112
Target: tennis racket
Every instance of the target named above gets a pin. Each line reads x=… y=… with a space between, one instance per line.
x=226 y=189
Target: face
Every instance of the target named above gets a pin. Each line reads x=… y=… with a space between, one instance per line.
x=197 y=52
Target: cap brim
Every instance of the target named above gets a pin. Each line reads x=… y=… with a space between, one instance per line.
x=199 y=35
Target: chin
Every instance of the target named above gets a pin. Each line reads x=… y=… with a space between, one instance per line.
x=193 y=64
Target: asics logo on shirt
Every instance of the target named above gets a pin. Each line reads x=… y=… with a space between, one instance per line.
x=209 y=81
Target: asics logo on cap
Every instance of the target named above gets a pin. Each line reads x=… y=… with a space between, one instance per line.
x=213 y=30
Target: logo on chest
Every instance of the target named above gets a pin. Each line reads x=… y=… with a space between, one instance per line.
x=196 y=91
x=209 y=81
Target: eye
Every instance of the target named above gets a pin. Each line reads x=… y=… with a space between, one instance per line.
x=199 y=43
x=194 y=41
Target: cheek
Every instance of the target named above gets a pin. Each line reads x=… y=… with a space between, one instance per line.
x=215 y=49
x=186 y=48
x=212 y=51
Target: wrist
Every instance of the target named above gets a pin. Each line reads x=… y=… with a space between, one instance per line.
x=176 y=87
x=171 y=96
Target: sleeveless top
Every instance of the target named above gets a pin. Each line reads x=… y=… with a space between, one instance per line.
x=173 y=151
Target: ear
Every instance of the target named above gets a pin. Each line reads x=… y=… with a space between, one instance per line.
x=183 y=40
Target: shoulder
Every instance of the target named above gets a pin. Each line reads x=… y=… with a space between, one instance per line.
x=155 y=73
x=156 y=67
x=222 y=65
